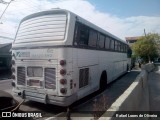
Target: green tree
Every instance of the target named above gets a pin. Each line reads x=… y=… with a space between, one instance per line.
x=147 y=47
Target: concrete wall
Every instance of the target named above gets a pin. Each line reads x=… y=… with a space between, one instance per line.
x=149 y=67
x=157 y=66
x=135 y=98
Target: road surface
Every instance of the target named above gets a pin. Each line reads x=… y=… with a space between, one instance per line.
x=86 y=105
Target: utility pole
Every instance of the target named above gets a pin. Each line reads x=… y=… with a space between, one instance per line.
x=3 y=2
x=145 y=32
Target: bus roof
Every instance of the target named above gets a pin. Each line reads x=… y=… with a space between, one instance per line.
x=84 y=21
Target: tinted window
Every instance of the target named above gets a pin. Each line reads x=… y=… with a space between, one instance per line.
x=116 y=45
x=121 y=47
x=93 y=38
x=112 y=44
x=129 y=52
x=81 y=34
x=107 y=43
x=101 y=41
x=126 y=48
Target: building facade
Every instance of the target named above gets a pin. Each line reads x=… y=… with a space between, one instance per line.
x=132 y=40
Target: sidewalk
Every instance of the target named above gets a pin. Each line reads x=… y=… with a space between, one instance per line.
x=154 y=90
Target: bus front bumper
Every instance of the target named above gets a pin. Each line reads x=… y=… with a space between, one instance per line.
x=46 y=98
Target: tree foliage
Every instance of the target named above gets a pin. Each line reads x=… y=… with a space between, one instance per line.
x=147 y=47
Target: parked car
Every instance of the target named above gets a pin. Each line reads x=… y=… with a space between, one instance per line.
x=157 y=60
x=8 y=103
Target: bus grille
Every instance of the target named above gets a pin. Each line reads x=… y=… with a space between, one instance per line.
x=50 y=78
x=21 y=78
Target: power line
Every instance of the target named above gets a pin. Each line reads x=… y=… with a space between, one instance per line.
x=7 y=37
x=3 y=2
x=8 y=3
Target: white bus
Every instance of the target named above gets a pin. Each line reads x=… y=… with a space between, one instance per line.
x=59 y=57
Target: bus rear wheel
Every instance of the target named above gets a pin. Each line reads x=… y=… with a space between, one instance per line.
x=103 y=81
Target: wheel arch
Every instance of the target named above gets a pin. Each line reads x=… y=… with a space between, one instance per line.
x=103 y=80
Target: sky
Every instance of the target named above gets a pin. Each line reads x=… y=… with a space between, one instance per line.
x=123 y=18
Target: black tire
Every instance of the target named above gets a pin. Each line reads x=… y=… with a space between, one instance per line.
x=103 y=81
x=127 y=67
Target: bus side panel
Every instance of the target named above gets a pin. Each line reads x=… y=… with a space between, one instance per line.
x=119 y=65
x=105 y=64
x=86 y=60
x=113 y=63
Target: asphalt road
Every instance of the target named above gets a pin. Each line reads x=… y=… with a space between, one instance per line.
x=112 y=92
x=6 y=85
x=86 y=105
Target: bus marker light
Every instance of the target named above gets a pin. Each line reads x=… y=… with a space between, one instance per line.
x=71 y=84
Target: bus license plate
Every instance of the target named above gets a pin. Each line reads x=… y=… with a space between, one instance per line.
x=34 y=83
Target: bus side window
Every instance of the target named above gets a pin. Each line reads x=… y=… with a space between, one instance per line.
x=83 y=37
x=119 y=46
x=126 y=48
x=93 y=37
x=129 y=52
x=122 y=48
x=116 y=45
x=101 y=41
x=81 y=34
x=112 y=44
x=107 y=43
